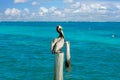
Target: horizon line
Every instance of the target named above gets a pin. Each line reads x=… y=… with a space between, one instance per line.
x=59 y=21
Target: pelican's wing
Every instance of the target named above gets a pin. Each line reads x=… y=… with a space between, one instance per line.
x=53 y=44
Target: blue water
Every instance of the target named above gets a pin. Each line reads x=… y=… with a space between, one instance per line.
x=25 y=50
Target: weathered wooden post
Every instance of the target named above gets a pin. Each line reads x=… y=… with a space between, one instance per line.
x=67 y=62
x=56 y=46
x=58 y=66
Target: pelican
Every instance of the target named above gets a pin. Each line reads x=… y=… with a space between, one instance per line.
x=58 y=43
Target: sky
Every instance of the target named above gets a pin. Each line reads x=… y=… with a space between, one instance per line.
x=60 y=10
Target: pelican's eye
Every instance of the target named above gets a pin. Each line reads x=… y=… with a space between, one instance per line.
x=60 y=29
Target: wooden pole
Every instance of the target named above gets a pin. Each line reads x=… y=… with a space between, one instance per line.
x=67 y=54
x=58 y=66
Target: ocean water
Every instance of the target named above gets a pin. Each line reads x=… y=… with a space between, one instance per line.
x=25 y=50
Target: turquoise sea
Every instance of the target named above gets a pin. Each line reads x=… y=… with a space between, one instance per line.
x=25 y=50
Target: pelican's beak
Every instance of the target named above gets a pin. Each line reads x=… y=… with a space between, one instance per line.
x=62 y=33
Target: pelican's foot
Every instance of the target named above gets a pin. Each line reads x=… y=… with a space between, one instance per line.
x=59 y=51
x=55 y=52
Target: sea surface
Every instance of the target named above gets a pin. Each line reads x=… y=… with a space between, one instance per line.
x=25 y=50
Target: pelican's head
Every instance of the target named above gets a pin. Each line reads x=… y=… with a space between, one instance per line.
x=59 y=30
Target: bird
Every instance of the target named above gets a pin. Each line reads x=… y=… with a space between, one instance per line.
x=58 y=43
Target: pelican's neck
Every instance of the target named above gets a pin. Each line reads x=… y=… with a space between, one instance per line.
x=61 y=34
